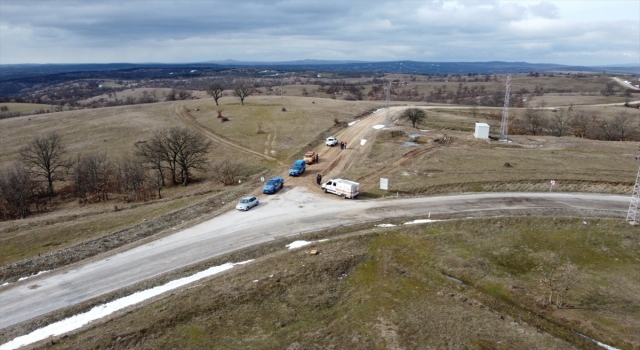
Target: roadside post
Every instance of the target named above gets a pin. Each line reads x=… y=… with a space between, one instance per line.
x=553 y=182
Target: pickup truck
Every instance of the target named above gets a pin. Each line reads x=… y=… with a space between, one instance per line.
x=342 y=187
x=298 y=168
x=310 y=157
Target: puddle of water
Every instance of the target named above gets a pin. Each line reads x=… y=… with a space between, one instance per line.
x=413 y=136
x=410 y=144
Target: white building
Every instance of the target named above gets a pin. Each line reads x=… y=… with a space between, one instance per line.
x=482 y=131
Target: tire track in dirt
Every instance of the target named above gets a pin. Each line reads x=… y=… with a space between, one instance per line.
x=184 y=115
x=402 y=161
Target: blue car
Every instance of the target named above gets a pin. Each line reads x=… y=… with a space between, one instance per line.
x=297 y=168
x=273 y=185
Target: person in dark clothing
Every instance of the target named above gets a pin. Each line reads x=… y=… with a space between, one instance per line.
x=341 y=145
x=319 y=179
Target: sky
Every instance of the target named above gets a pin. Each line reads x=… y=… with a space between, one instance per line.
x=571 y=32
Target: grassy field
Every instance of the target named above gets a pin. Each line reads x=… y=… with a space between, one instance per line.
x=389 y=290
x=25 y=108
x=285 y=132
x=466 y=164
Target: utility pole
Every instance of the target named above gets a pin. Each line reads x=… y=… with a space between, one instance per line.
x=504 y=127
x=633 y=206
x=387 y=88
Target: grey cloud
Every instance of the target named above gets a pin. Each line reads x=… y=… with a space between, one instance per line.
x=464 y=30
x=545 y=10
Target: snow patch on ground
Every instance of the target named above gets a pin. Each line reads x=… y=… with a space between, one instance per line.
x=379 y=126
x=103 y=310
x=420 y=221
x=386 y=225
x=353 y=122
x=297 y=244
x=362 y=142
x=37 y=274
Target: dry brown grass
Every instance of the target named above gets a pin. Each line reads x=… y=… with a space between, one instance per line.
x=285 y=132
x=466 y=164
x=388 y=290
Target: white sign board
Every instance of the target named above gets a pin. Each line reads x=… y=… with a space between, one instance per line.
x=384 y=183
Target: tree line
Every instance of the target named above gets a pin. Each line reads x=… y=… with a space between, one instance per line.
x=28 y=184
x=580 y=123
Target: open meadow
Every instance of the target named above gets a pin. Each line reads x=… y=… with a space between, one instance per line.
x=450 y=284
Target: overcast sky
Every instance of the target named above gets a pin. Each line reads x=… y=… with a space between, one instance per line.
x=106 y=31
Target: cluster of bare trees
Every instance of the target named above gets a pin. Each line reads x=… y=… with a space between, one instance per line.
x=28 y=185
x=557 y=280
x=241 y=89
x=563 y=122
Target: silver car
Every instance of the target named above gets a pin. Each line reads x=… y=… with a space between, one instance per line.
x=247 y=203
x=332 y=141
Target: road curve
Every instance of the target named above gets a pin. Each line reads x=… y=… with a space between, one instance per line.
x=291 y=211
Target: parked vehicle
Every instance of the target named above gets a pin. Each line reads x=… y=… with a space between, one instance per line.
x=331 y=141
x=342 y=187
x=273 y=185
x=247 y=203
x=298 y=168
x=310 y=157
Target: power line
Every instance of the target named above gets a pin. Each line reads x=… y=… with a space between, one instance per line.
x=504 y=128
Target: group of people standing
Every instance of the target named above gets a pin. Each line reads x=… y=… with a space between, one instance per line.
x=343 y=145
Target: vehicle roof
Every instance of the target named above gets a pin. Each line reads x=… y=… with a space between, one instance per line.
x=330 y=137
x=250 y=197
x=309 y=152
x=276 y=179
x=299 y=161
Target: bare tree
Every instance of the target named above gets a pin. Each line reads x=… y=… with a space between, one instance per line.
x=171 y=96
x=622 y=125
x=17 y=190
x=580 y=123
x=415 y=115
x=559 y=122
x=557 y=279
x=243 y=89
x=192 y=149
x=609 y=89
x=184 y=94
x=534 y=120
x=154 y=154
x=92 y=176
x=227 y=171
x=44 y=157
x=133 y=178
x=215 y=90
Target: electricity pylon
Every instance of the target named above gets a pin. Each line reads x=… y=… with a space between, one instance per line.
x=387 y=88
x=633 y=206
x=504 y=128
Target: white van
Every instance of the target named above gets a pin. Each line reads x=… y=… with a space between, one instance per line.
x=342 y=187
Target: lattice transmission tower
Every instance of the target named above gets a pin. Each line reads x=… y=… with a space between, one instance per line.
x=387 y=88
x=632 y=214
x=504 y=127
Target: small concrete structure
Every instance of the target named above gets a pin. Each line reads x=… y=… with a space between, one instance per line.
x=482 y=131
